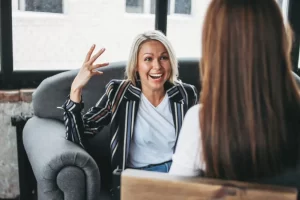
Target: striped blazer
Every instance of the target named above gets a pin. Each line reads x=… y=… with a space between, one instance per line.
x=118 y=108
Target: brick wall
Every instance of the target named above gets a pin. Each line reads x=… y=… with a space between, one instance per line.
x=10 y=96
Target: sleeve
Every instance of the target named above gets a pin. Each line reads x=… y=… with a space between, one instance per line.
x=79 y=126
x=195 y=99
x=186 y=159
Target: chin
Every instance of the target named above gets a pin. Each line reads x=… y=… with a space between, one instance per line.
x=158 y=86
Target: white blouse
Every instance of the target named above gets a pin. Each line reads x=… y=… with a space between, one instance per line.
x=187 y=159
x=154 y=134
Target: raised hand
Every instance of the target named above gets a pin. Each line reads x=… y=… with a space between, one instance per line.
x=88 y=70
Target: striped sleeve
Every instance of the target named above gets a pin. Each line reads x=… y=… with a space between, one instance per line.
x=191 y=94
x=195 y=99
x=79 y=126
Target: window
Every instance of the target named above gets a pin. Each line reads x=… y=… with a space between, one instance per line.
x=183 y=7
x=60 y=42
x=184 y=31
x=135 y=6
x=148 y=6
x=153 y=4
x=52 y=6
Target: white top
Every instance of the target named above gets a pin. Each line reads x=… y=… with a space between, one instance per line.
x=154 y=134
x=187 y=159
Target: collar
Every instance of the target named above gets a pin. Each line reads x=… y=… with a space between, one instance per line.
x=174 y=91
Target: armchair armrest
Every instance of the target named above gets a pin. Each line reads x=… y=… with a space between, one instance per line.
x=56 y=162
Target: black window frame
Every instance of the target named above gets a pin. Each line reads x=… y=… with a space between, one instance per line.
x=10 y=79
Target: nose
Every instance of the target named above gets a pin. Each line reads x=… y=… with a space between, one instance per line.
x=156 y=64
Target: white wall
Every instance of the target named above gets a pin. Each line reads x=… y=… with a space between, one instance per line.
x=44 y=41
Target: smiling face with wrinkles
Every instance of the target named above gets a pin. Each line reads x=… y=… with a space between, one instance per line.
x=153 y=66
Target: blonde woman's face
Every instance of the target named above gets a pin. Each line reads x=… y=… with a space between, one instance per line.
x=153 y=66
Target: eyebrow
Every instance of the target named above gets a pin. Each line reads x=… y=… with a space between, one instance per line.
x=148 y=53
x=160 y=54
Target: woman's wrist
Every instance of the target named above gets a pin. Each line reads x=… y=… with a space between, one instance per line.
x=75 y=95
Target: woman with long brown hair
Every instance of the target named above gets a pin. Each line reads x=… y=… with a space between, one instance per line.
x=247 y=124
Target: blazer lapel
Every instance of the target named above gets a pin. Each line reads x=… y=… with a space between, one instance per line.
x=132 y=97
x=178 y=108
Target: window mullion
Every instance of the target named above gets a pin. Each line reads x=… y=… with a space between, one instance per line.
x=161 y=13
x=6 y=39
x=172 y=7
x=147 y=6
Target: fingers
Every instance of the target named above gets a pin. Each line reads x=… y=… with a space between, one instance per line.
x=88 y=55
x=95 y=72
x=92 y=60
x=99 y=65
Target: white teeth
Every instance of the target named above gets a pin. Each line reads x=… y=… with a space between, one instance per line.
x=156 y=75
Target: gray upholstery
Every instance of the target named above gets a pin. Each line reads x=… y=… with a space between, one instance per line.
x=64 y=170
x=49 y=153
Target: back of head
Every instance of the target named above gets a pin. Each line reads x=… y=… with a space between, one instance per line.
x=250 y=115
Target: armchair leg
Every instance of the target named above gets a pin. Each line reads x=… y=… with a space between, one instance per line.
x=27 y=182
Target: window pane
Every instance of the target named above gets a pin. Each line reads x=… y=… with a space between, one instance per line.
x=52 y=41
x=54 y=6
x=183 y=6
x=135 y=6
x=184 y=31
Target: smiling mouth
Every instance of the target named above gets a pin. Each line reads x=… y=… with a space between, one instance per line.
x=155 y=76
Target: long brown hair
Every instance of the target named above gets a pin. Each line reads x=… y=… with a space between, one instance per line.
x=250 y=118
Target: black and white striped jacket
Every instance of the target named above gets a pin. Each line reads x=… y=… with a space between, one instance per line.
x=118 y=107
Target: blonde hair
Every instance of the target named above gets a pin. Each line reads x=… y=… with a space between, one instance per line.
x=130 y=72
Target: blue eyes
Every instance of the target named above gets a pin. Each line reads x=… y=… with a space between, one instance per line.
x=161 y=58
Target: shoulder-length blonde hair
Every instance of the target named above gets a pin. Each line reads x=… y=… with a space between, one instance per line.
x=140 y=39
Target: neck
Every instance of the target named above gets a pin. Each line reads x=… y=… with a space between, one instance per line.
x=155 y=97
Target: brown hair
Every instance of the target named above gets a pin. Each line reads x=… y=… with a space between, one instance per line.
x=250 y=118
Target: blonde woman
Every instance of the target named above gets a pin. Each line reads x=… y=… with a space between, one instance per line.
x=145 y=110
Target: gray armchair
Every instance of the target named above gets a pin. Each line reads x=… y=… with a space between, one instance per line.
x=64 y=170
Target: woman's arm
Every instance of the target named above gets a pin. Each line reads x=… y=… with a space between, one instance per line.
x=97 y=116
x=79 y=126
